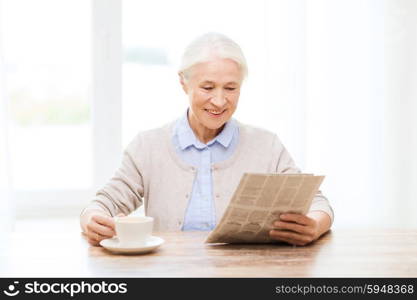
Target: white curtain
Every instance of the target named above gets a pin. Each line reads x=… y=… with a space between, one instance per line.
x=362 y=108
x=6 y=204
x=400 y=187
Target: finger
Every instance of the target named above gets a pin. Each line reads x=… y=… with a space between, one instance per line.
x=299 y=238
x=100 y=229
x=97 y=237
x=93 y=242
x=303 y=229
x=282 y=239
x=292 y=242
x=104 y=220
x=297 y=218
x=92 y=234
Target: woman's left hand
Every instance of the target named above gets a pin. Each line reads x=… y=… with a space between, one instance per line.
x=295 y=229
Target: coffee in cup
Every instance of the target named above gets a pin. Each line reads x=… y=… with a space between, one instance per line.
x=133 y=230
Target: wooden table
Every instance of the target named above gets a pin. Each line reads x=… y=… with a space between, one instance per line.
x=341 y=253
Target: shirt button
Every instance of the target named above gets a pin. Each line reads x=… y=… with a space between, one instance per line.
x=217 y=195
x=187 y=195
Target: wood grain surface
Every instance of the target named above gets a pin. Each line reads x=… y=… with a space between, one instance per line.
x=340 y=253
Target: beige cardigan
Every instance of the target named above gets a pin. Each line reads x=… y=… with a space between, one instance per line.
x=153 y=174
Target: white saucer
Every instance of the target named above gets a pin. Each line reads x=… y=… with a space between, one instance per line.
x=113 y=245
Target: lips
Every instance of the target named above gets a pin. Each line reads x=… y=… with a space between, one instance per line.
x=215 y=113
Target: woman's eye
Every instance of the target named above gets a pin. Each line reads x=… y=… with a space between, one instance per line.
x=207 y=88
x=230 y=89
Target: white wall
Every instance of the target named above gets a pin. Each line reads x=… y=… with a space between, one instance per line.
x=6 y=204
x=361 y=93
x=345 y=105
x=400 y=130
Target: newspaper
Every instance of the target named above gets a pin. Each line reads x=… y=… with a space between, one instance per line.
x=258 y=201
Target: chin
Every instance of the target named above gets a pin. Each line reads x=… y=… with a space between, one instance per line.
x=214 y=124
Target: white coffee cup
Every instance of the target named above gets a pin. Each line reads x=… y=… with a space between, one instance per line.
x=133 y=230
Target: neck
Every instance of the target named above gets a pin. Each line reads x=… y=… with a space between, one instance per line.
x=203 y=134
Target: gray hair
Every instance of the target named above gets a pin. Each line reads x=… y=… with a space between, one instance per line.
x=212 y=45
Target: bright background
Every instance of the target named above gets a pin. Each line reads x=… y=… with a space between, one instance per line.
x=335 y=79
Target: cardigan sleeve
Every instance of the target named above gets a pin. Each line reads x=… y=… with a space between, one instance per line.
x=124 y=191
x=285 y=164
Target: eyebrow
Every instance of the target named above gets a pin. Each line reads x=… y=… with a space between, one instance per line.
x=212 y=82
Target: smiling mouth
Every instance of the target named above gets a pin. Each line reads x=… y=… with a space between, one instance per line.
x=215 y=113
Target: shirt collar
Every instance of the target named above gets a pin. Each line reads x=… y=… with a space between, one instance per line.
x=187 y=138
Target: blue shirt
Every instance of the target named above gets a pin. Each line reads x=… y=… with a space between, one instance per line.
x=200 y=213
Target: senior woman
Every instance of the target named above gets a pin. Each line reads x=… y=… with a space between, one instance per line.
x=186 y=171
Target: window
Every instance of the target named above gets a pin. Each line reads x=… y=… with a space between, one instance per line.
x=48 y=77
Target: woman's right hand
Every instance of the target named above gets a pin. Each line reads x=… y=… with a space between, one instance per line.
x=99 y=227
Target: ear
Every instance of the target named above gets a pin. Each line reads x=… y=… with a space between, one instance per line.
x=183 y=82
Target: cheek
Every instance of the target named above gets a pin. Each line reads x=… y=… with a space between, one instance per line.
x=198 y=99
x=234 y=99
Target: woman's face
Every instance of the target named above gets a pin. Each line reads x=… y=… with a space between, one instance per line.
x=213 y=89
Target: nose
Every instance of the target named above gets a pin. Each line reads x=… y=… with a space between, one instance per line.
x=219 y=99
